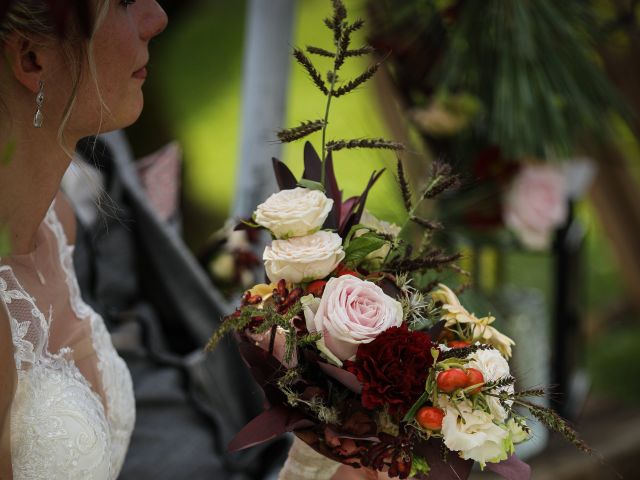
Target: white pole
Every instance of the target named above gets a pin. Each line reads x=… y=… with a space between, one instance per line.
x=265 y=84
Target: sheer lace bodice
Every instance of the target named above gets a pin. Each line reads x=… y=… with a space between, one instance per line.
x=72 y=409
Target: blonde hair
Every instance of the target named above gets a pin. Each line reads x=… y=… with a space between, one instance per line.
x=33 y=18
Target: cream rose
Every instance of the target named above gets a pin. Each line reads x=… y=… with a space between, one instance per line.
x=303 y=258
x=473 y=432
x=351 y=312
x=294 y=213
x=536 y=204
x=493 y=367
x=454 y=313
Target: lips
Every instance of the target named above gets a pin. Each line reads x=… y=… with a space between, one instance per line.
x=140 y=73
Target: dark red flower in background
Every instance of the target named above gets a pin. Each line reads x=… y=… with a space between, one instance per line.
x=393 y=368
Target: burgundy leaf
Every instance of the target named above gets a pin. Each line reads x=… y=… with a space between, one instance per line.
x=312 y=164
x=443 y=467
x=286 y=180
x=265 y=369
x=347 y=379
x=347 y=209
x=512 y=469
x=333 y=192
x=268 y=425
x=354 y=219
x=437 y=329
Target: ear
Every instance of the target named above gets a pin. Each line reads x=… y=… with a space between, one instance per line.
x=25 y=60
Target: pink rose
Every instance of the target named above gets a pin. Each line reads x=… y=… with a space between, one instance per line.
x=536 y=204
x=351 y=312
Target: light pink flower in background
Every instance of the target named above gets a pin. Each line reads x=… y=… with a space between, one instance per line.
x=536 y=204
x=351 y=312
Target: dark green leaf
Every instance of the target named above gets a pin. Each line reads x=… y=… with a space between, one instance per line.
x=362 y=246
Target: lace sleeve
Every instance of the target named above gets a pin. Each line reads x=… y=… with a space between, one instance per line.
x=7 y=389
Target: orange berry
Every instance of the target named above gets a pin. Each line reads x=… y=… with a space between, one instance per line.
x=451 y=380
x=430 y=418
x=458 y=344
x=474 y=377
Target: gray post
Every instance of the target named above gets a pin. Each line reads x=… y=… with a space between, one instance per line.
x=265 y=85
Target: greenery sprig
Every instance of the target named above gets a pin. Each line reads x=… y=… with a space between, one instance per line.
x=331 y=86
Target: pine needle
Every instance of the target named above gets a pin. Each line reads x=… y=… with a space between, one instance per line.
x=311 y=70
x=305 y=128
x=378 y=143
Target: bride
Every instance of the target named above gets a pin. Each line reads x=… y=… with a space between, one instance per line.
x=66 y=400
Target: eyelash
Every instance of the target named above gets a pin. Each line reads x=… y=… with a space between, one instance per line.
x=127 y=3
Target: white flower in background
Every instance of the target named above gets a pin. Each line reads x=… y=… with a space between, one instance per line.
x=303 y=258
x=378 y=226
x=454 y=313
x=473 y=432
x=493 y=367
x=294 y=213
x=536 y=204
x=353 y=311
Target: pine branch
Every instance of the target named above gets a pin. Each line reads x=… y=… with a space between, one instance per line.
x=435 y=260
x=462 y=352
x=355 y=83
x=311 y=70
x=404 y=187
x=428 y=224
x=305 y=128
x=500 y=383
x=335 y=145
x=232 y=323
x=556 y=423
x=320 y=51
x=339 y=16
x=441 y=180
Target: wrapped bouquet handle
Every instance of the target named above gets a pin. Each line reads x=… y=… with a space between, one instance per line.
x=304 y=463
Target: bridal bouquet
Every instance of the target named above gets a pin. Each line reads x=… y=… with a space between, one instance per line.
x=360 y=350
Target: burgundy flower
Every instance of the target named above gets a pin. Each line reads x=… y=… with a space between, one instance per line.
x=393 y=368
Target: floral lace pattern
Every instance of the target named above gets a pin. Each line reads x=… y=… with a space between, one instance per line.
x=60 y=428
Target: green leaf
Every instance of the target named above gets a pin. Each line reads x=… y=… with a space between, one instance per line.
x=311 y=185
x=416 y=406
x=419 y=465
x=360 y=247
x=7 y=152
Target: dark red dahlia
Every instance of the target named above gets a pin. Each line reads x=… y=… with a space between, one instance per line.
x=393 y=368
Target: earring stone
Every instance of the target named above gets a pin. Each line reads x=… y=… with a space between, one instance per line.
x=37 y=118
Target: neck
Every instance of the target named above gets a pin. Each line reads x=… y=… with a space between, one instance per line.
x=32 y=163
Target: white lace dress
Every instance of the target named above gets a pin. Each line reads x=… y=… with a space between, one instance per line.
x=72 y=409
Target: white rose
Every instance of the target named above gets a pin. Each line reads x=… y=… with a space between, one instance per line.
x=473 y=433
x=294 y=213
x=303 y=258
x=536 y=204
x=493 y=367
x=310 y=305
x=351 y=312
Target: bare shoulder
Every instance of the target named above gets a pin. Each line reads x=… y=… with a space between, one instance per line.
x=67 y=216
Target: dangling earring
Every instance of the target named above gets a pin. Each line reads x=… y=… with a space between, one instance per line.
x=37 y=118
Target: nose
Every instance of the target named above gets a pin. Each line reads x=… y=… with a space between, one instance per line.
x=152 y=21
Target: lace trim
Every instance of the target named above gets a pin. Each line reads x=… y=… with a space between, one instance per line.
x=116 y=380
x=24 y=350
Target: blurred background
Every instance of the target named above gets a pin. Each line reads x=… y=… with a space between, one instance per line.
x=534 y=103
